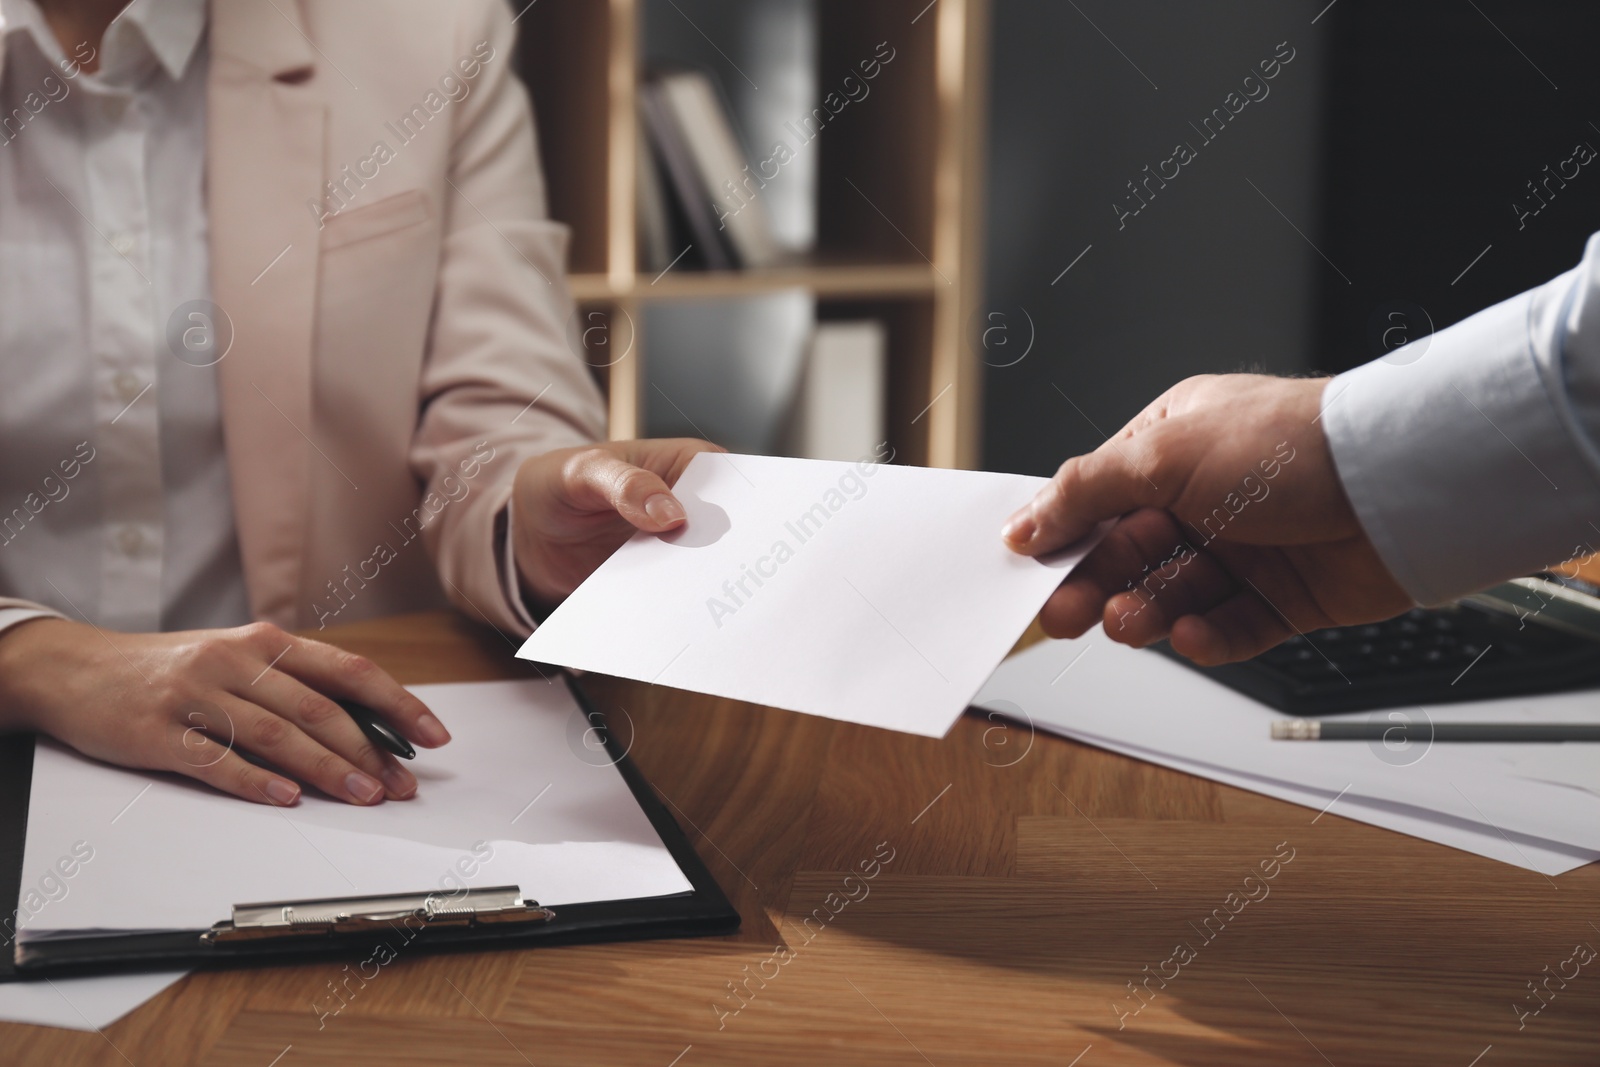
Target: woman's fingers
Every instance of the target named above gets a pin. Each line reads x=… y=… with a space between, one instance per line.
x=347 y=676
x=637 y=484
x=632 y=479
x=286 y=714
x=330 y=726
x=666 y=456
x=597 y=480
x=289 y=749
x=232 y=773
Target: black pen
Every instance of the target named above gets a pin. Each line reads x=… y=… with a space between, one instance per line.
x=381 y=733
x=1398 y=732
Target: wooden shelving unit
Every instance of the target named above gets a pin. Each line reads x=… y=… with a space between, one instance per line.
x=898 y=214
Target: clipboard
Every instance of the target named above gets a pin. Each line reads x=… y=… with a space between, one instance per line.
x=426 y=921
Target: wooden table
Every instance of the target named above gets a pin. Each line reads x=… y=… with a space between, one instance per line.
x=1032 y=879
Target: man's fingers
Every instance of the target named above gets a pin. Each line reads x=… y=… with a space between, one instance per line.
x=1144 y=542
x=600 y=480
x=1145 y=581
x=1271 y=604
x=1073 y=608
x=1240 y=627
x=1108 y=482
x=330 y=726
x=1136 y=544
x=1185 y=584
x=344 y=675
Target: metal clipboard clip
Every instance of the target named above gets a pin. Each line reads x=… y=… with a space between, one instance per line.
x=493 y=906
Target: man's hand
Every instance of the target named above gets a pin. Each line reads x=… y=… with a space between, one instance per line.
x=192 y=702
x=1234 y=532
x=573 y=507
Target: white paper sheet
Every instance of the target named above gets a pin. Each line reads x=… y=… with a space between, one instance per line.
x=1544 y=857
x=517 y=798
x=1465 y=796
x=1573 y=763
x=870 y=593
x=80 y=1003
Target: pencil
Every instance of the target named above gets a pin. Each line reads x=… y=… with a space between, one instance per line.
x=1396 y=732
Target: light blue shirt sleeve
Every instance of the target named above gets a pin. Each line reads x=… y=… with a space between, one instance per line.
x=1471 y=456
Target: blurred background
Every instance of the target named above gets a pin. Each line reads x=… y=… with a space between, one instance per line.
x=987 y=232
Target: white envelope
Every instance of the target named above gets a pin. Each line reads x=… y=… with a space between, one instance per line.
x=865 y=592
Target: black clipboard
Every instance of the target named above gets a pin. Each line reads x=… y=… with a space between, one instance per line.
x=703 y=912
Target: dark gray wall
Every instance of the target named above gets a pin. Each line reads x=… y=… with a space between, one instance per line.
x=1209 y=276
x=1441 y=115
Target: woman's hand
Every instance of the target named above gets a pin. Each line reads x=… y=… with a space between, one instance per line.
x=573 y=507
x=1233 y=528
x=193 y=701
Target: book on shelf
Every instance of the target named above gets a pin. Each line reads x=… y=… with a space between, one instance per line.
x=655 y=224
x=838 y=406
x=706 y=172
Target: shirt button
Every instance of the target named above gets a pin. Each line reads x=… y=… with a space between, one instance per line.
x=123 y=243
x=126 y=385
x=130 y=540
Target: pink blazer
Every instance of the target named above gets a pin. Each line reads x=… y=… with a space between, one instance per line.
x=380 y=244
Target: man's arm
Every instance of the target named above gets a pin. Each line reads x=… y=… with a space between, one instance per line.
x=1250 y=508
x=1477 y=461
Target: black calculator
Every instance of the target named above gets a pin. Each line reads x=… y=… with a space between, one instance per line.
x=1534 y=635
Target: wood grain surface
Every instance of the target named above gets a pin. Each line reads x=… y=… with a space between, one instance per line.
x=1031 y=901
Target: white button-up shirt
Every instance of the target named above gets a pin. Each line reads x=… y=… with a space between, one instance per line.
x=1473 y=455
x=115 y=503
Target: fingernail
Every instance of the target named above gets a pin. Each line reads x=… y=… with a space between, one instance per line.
x=365 y=790
x=1020 y=529
x=432 y=730
x=664 y=509
x=400 y=781
x=282 y=792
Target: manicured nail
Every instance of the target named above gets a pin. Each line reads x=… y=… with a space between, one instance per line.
x=282 y=792
x=400 y=781
x=1020 y=530
x=365 y=790
x=664 y=509
x=432 y=730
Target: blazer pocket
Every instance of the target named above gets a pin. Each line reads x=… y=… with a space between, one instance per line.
x=374 y=220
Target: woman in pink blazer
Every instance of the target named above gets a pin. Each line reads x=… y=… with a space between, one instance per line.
x=382 y=356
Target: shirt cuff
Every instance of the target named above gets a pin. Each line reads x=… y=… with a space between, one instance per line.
x=1461 y=466
x=510 y=580
x=10 y=617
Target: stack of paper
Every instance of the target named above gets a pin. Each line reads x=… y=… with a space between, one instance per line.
x=80 y=1003
x=510 y=801
x=1475 y=797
